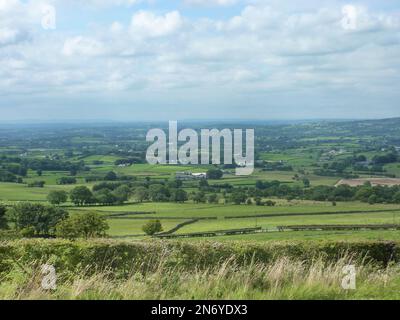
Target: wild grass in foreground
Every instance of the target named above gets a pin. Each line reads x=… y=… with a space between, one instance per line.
x=284 y=278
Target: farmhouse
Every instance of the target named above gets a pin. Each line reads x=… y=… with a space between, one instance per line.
x=187 y=175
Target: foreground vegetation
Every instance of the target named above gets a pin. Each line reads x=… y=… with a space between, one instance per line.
x=74 y=182
x=206 y=270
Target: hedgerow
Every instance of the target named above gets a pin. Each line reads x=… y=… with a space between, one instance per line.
x=122 y=258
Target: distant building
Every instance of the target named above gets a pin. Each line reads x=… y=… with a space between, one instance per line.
x=187 y=175
x=201 y=175
x=123 y=165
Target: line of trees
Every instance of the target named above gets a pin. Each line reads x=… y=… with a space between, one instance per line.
x=366 y=193
x=37 y=220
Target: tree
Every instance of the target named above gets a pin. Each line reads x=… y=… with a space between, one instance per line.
x=3 y=218
x=259 y=201
x=81 y=195
x=105 y=197
x=178 y=195
x=87 y=225
x=212 y=198
x=111 y=176
x=270 y=203
x=37 y=217
x=141 y=194
x=373 y=199
x=203 y=183
x=66 y=180
x=396 y=197
x=199 y=197
x=238 y=197
x=56 y=197
x=214 y=174
x=36 y=184
x=152 y=227
x=306 y=183
x=122 y=193
x=159 y=193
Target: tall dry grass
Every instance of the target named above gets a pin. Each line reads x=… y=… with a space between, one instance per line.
x=284 y=278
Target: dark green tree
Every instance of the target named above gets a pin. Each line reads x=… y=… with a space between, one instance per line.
x=152 y=227
x=81 y=195
x=37 y=217
x=105 y=197
x=212 y=198
x=110 y=176
x=57 y=197
x=87 y=225
x=214 y=174
x=199 y=197
x=122 y=193
x=178 y=195
x=141 y=194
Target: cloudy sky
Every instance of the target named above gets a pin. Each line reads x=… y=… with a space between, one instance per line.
x=199 y=59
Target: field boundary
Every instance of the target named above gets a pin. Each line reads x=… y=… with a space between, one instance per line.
x=177 y=227
x=272 y=215
x=339 y=227
x=228 y=232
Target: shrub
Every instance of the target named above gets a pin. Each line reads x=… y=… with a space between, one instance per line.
x=214 y=174
x=66 y=180
x=87 y=225
x=36 y=184
x=40 y=219
x=124 y=257
x=152 y=227
x=3 y=218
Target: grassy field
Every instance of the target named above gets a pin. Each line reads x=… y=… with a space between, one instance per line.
x=10 y=192
x=297 y=213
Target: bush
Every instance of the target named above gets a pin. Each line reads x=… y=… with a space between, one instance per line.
x=214 y=174
x=3 y=218
x=66 y=180
x=152 y=227
x=270 y=203
x=124 y=257
x=41 y=220
x=110 y=176
x=36 y=184
x=87 y=225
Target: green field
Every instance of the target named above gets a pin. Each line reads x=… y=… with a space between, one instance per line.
x=300 y=154
x=172 y=214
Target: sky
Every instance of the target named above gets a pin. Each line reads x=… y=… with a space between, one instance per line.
x=133 y=60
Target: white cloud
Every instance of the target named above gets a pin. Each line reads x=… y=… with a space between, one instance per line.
x=260 y=50
x=145 y=23
x=82 y=46
x=211 y=2
x=8 y=36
